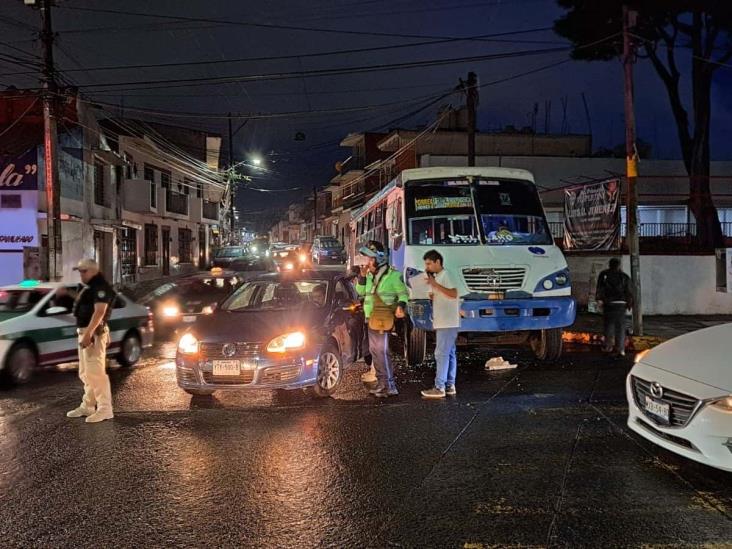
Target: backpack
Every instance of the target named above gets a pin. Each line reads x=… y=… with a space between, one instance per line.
x=614 y=286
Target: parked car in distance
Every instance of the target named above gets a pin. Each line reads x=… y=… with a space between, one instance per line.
x=327 y=249
x=680 y=396
x=38 y=329
x=286 y=257
x=281 y=331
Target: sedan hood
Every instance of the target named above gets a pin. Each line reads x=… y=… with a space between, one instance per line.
x=256 y=326
x=703 y=356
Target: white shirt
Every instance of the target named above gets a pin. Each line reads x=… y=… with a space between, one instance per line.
x=445 y=310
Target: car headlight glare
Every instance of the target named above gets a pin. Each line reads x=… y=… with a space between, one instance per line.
x=724 y=404
x=171 y=311
x=639 y=356
x=548 y=284
x=287 y=342
x=289 y=266
x=208 y=309
x=188 y=344
x=303 y=258
x=561 y=279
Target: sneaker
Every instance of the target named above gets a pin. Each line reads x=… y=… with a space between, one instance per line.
x=81 y=411
x=384 y=393
x=450 y=390
x=99 y=415
x=377 y=389
x=370 y=376
x=433 y=393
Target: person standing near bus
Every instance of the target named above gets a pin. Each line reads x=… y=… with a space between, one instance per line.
x=445 y=321
x=385 y=297
x=92 y=309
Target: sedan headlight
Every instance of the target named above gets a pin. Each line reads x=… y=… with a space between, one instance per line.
x=289 y=266
x=303 y=258
x=188 y=344
x=287 y=342
x=208 y=309
x=171 y=311
x=724 y=404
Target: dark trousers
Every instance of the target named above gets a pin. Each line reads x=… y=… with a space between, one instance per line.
x=614 y=317
x=379 y=348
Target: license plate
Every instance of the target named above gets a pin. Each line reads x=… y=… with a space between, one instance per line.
x=226 y=368
x=658 y=409
x=189 y=318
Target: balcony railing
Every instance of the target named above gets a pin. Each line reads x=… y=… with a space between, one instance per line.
x=651 y=230
x=210 y=210
x=176 y=203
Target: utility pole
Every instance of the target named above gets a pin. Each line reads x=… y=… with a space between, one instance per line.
x=53 y=189
x=232 y=192
x=472 y=102
x=315 y=211
x=631 y=171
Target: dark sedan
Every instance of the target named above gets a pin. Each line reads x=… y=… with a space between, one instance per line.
x=285 y=331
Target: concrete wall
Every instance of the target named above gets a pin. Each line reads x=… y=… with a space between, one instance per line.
x=671 y=285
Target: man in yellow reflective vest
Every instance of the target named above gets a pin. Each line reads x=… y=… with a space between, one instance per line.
x=385 y=297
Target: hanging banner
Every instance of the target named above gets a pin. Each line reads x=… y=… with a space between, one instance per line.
x=19 y=202
x=592 y=216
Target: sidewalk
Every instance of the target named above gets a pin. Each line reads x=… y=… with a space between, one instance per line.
x=588 y=329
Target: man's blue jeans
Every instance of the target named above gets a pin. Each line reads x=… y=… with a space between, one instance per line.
x=445 y=357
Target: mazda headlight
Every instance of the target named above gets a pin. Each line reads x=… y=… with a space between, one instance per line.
x=287 y=342
x=188 y=344
x=724 y=404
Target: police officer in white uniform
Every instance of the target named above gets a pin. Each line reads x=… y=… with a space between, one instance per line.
x=92 y=309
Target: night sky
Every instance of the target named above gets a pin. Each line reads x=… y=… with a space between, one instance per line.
x=89 y=39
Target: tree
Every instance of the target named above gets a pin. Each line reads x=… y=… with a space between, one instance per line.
x=666 y=31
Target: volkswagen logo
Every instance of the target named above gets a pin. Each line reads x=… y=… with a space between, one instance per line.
x=656 y=389
x=229 y=349
x=492 y=278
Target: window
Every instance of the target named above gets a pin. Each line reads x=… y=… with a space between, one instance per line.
x=184 y=245
x=12 y=201
x=131 y=172
x=199 y=189
x=151 y=244
x=153 y=195
x=341 y=293
x=128 y=254
x=165 y=179
x=100 y=196
x=149 y=173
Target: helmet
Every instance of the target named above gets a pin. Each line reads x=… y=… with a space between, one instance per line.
x=374 y=249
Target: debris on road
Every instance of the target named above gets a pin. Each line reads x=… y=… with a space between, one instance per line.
x=499 y=363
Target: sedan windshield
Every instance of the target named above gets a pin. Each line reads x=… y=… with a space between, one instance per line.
x=20 y=301
x=268 y=295
x=330 y=244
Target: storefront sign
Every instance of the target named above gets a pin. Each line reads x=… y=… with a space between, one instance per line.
x=19 y=202
x=592 y=216
x=19 y=173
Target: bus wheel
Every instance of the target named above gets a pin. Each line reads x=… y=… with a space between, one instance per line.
x=415 y=344
x=547 y=344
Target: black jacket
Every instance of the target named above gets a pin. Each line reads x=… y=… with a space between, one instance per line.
x=614 y=286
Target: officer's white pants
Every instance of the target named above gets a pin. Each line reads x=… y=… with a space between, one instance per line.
x=93 y=373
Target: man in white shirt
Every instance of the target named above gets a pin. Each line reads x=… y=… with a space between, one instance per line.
x=445 y=321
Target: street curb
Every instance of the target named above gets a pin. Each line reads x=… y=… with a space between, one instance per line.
x=634 y=343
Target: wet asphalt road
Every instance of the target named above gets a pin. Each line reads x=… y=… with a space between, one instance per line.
x=538 y=456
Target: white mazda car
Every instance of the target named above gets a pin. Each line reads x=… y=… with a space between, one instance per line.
x=680 y=396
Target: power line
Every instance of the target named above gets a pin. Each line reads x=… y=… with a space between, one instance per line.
x=184 y=82
x=483 y=37
x=270 y=25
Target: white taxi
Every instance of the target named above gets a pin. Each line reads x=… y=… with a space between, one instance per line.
x=38 y=329
x=680 y=396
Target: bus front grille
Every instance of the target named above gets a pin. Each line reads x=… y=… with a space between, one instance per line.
x=491 y=279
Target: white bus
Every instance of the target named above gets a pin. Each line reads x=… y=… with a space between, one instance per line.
x=489 y=225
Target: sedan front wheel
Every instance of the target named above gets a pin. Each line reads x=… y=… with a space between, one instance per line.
x=330 y=372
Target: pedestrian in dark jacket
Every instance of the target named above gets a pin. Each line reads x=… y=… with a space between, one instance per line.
x=615 y=295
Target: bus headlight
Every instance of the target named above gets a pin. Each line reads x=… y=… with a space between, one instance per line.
x=548 y=284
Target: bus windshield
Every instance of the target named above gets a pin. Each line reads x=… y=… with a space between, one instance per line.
x=444 y=213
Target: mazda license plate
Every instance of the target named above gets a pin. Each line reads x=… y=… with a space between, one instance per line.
x=658 y=409
x=226 y=368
